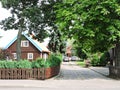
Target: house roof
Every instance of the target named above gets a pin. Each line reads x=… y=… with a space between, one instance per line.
x=10 y=36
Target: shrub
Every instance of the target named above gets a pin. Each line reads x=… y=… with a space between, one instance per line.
x=10 y=64
x=15 y=64
x=23 y=64
x=38 y=63
x=7 y=64
x=95 y=60
x=53 y=60
x=104 y=59
x=2 y=64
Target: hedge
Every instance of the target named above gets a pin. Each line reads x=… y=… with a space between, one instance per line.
x=52 y=60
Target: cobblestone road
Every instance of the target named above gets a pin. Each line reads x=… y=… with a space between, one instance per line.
x=70 y=71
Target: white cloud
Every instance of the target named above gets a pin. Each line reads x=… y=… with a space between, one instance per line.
x=4 y=13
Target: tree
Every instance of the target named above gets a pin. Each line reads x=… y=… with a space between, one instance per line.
x=57 y=42
x=35 y=16
x=26 y=15
x=95 y=24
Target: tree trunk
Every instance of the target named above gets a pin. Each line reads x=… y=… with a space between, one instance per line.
x=117 y=58
x=19 y=44
x=21 y=23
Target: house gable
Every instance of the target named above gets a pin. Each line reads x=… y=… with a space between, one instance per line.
x=34 y=47
x=32 y=41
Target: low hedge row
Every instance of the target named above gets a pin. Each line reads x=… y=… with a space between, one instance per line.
x=53 y=60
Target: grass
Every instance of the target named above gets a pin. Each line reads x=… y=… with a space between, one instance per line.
x=81 y=63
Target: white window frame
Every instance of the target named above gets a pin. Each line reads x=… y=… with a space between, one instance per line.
x=30 y=56
x=45 y=56
x=14 y=55
x=25 y=43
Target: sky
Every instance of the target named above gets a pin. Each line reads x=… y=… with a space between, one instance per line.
x=6 y=13
x=3 y=13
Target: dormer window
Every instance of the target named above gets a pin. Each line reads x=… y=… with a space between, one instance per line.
x=25 y=43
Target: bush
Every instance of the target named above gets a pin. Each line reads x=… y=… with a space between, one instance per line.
x=7 y=64
x=23 y=64
x=10 y=64
x=53 y=60
x=38 y=63
x=95 y=60
x=102 y=61
x=2 y=64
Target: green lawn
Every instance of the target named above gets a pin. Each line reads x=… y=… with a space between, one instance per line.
x=81 y=63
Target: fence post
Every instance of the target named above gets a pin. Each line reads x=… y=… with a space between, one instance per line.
x=42 y=70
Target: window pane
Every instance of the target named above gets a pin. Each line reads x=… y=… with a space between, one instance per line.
x=25 y=43
x=14 y=56
x=30 y=55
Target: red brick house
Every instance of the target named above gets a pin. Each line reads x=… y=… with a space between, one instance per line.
x=30 y=48
x=68 y=51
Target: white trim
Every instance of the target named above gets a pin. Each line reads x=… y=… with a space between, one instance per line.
x=45 y=56
x=24 y=43
x=30 y=56
x=14 y=55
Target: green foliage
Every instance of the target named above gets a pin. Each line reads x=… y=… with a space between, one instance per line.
x=94 y=24
x=53 y=60
x=35 y=16
x=81 y=53
x=23 y=64
x=7 y=64
x=81 y=63
x=38 y=63
x=2 y=64
x=95 y=60
x=100 y=60
x=10 y=64
x=104 y=58
x=15 y=64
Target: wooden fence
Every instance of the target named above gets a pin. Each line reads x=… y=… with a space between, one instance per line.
x=35 y=73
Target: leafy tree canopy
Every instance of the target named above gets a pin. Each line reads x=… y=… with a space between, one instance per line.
x=34 y=15
x=94 y=24
x=27 y=15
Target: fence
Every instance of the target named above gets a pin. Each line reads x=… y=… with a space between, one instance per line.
x=35 y=73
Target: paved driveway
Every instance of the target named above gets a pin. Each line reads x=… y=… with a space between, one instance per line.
x=71 y=71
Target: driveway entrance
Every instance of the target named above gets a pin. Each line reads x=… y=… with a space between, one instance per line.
x=71 y=71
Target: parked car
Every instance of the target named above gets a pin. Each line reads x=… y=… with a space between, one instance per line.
x=75 y=58
x=66 y=59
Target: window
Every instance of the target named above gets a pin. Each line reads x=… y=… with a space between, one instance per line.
x=14 y=56
x=30 y=56
x=25 y=43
